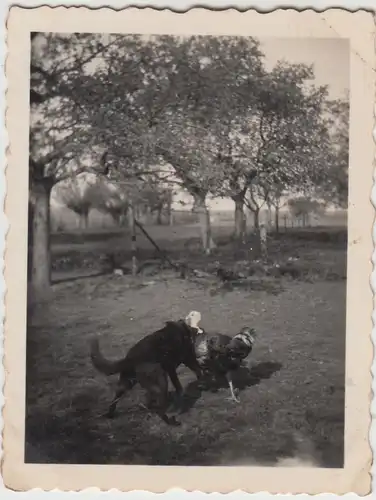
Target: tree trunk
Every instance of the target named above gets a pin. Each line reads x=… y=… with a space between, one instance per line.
x=170 y=215
x=130 y=215
x=205 y=225
x=117 y=218
x=137 y=213
x=30 y=216
x=83 y=220
x=123 y=221
x=256 y=219
x=240 y=220
x=276 y=218
x=270 y=216
x=171 y=218
x=244 y=228
x=41 y=255
x=263 y=241
x=159 y=216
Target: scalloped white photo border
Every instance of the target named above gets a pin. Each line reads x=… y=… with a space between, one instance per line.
x=178 y=5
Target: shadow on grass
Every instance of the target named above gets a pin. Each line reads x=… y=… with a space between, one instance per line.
x=80 y=434
x=242 y=379
x=76 y=433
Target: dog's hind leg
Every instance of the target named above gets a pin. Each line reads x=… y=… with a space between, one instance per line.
x=118 y=395
x=124 y=385
x=154 y=380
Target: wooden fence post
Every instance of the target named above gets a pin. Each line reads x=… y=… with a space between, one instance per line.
x=263 y=241
x=171 y=218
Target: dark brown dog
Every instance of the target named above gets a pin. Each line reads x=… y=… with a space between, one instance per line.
x=149 y=362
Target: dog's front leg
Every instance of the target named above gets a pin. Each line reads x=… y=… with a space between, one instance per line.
x=175 y=380
x=178 y=387
x=195 y=368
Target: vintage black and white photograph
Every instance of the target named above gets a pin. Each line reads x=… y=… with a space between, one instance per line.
x=187 y=249
x=178 y=174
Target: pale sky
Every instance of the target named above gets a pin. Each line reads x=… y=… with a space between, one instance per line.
x=330 y=57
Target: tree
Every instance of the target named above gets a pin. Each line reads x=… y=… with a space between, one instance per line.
x=304 y=206
x=211 y=82
x=67 y=80
x=110 y=198
x=257 y=196
x=77 y=194
x=181 y=88
x=193 y=170
x=334 y=185
x=232 y=74
x=158 y=199
x=56 y=134
x=275 y=200
x=190 y=86
x=280 y=141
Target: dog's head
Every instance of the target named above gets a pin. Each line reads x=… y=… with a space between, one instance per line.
x=247 y=335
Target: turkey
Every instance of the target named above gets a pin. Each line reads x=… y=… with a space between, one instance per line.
x=221 y=355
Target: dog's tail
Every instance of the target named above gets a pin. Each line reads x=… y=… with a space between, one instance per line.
x=101 y=363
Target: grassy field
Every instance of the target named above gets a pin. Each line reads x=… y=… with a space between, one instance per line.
x=292 y=396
